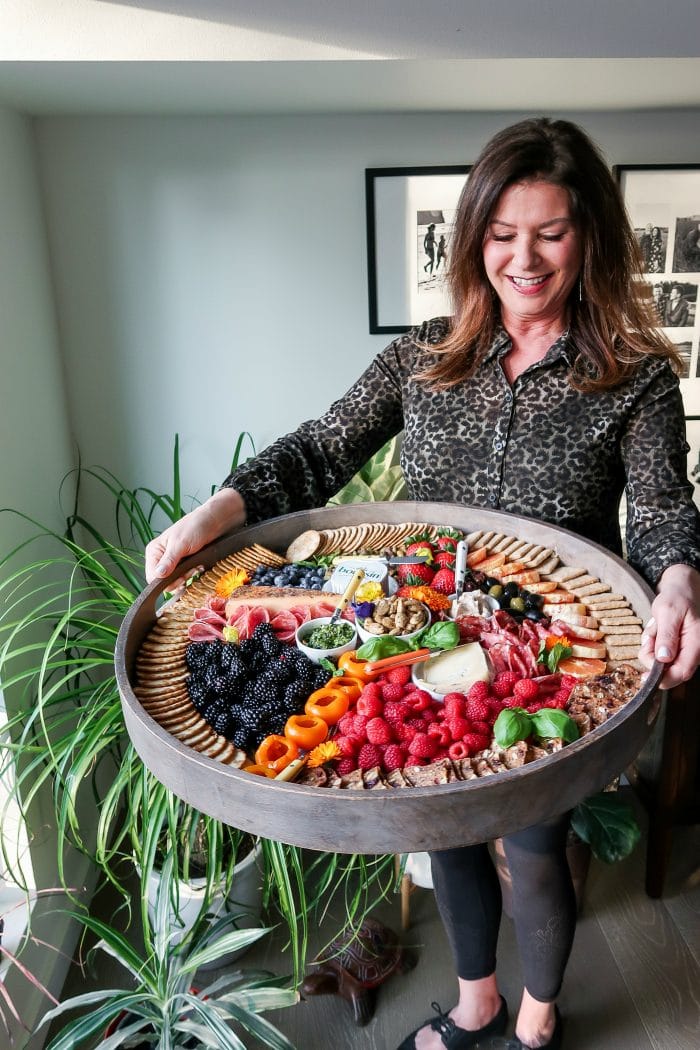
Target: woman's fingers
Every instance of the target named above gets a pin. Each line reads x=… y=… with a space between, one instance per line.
x=672 y=636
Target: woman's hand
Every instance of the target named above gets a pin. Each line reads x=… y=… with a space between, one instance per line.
x=223 y=511
x=672 y=635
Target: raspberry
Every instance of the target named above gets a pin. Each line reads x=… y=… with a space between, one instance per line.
x=346 y=723
x=479 y=691
x=369 y=704
x=568 y=681
x=369 y=756
x=345 y=765
x=347 y=745
x=392 y=691
x=423 y=746
x=495 y=709
x=394 y=757
x=442 y=752
x=359 y=728
x=512 y=701
x=441 y=733
x=415 y=760
x=455 y=704
x=534 y=708
x=477 y=710
x=476 y=742
x=404 y=733
x=419 y=700
x=371 y=689
x=428 y=715
x=561 y=698
x=399 y=675
x=458 y=727
x=526 y=690
x=482 y=728
x=458 y=750
x=416 y=723
x=503 y=684
x=394 y=712
x=379 y=731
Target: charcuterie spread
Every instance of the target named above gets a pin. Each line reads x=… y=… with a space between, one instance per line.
x=432 y=672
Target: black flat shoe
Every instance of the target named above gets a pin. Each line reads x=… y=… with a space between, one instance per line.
x=456 y=1038
x=515 y=1044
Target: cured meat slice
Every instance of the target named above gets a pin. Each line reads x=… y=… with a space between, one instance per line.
x=200 y=631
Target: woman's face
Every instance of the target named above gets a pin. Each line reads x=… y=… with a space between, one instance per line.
x=532 y=252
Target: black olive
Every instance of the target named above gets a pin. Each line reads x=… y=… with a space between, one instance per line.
x=491 y=581
x=534 y=614
x=511 y=590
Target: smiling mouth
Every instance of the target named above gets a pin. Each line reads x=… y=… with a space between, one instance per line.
x=528 y=282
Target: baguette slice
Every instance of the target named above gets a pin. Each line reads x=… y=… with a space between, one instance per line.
x=563 y=612
x=588 y=651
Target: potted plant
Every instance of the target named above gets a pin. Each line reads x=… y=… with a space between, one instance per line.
x=166 y=1007
x=69 y=729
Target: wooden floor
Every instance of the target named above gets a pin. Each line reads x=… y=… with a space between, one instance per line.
x=633 y=982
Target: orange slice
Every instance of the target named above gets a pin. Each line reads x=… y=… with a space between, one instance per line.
x=581 y=666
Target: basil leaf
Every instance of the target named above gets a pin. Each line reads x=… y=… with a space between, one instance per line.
x=333 y=671
x=444 y=634
x=512 y=724
x=551 y=657
x=381 y=647
x=550 y=721
x=608 y=825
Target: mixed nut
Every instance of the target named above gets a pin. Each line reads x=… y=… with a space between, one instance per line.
x=395 y=616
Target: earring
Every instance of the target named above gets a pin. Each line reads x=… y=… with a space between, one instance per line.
x=580 y=288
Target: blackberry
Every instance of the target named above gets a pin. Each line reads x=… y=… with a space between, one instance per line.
x=221 y=723
x=294 y=697
x=242 y=737
x=246 y=650
x=198 y=693
x=277 y=672
x=253 y=719
x=212 y=710
x=196 y=656
x=258 y=662
x=236 y=668
x=276 y=720
x=320 y=677
x=265 y=692
x=257 y=736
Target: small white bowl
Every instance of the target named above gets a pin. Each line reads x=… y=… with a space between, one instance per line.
x=305 y=629
x=366 y=635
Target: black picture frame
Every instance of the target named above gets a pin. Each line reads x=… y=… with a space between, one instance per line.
x=663 y=203
x=395 y=200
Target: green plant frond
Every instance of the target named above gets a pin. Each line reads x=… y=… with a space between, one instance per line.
x=229 y=942
x=258 y=1026
x=215 y=1035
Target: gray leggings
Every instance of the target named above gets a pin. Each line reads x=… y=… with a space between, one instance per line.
x=468 y=895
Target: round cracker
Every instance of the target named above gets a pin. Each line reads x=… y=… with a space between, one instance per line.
x=304 y=546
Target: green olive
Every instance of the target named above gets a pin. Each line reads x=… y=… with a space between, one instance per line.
x=496 y=591
x=518 y=604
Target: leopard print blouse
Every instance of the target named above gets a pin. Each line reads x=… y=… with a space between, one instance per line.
x=538 y=448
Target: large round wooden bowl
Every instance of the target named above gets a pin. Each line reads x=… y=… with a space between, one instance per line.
x=402 y=819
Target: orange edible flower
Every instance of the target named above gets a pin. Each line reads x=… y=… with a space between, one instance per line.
x=435 y=601
x=230 y=582
x=323 y=753
x=556 y=639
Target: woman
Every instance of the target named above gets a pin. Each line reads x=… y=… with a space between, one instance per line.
x=429 y=248
x=656 y=252
x=547 y=394
x=676 y=310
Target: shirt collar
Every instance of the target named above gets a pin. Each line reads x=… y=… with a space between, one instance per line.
x=561 y=348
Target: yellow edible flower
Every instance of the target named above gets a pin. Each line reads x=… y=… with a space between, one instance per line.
x=230 y=582
x=369 y=592
x=323 y=753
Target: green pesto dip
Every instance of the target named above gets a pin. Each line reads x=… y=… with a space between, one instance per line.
x=330 y=636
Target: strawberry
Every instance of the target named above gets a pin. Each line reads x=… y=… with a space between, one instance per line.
x=420 y=549
x=379 y=731
x=503 y=684
x=369 y=756
x=399 y=675
x=394 y=757
x=445 y=560
x=345 y=765
x=526 y=690
x=447 y=543
x=476 y=710
x=391 y=692
x=444 y=581
x=415 y=575
x=423 y=746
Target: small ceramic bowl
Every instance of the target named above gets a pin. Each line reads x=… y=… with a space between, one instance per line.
x=305 y=629
x=366 y=635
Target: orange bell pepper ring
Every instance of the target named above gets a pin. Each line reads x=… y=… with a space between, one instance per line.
x=275 y=752
x=352 y=666
x=306 y=731
x=347 y=684
x=260 y=771
x=329 y=703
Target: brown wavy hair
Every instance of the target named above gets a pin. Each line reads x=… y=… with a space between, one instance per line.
x=613 y=324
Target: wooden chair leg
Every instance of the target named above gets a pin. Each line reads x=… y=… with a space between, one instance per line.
x=406 y=890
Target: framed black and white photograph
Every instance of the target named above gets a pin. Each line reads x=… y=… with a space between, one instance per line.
x=692 y=426
x=410 y=216
x=663 y=203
